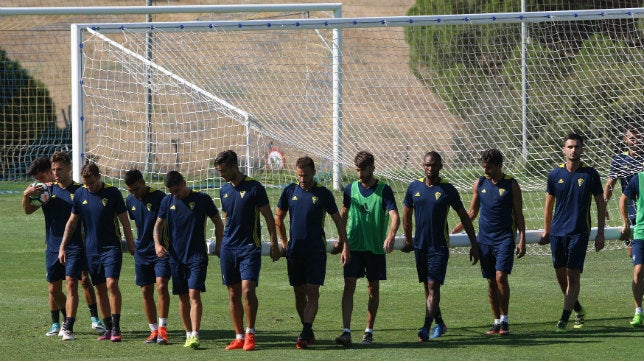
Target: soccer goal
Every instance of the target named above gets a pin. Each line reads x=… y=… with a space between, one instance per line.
x=171 y=95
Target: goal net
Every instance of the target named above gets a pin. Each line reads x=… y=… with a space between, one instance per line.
x=35 y=79
x=398 y=87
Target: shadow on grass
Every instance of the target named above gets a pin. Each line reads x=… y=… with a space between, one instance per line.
x=595 y=331
x=522 y=335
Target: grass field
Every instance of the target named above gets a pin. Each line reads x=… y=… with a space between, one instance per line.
x=535 y=307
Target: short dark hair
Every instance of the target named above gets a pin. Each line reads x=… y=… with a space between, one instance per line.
x=492 y=156
x=573 y=136
x=173 y=178
x=90 y=169
x=40 y=164
x=434 y=154
x=132 y=176
x=634 y=127
x=305 y=161
x=226 y=158
x=363 y=159
x=61 y=157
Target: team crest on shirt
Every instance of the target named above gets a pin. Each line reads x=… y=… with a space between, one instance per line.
x=294 y=198
x=149 y=207
x=104 y=201
x=560 y=181
x=85 y=201
x=314 y=199
x=226 y=195
x=173 y=207
x=191 y=205
x=417 y=194
x=501 y=191
x=437 y=195
x=133 y=208
x=580 y=181
x=484 y=191
x=242 y=194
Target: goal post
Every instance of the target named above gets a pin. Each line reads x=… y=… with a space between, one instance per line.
x=396 y=86
x=77 y=109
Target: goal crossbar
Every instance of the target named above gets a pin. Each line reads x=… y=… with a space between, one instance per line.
x=366 y=22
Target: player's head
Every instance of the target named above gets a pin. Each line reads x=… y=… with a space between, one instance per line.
x=492 y=162
x=573 y=146
x=91 y=177
x=634 y=137
x=61 y=166
x=40 y=169
x=432 y=163
x=305 y=169
x=364 y=163
x=574 y=136
x=226 y=164
x=176 y=184
x=135 y=183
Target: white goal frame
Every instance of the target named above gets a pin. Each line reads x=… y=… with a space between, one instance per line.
x=77 y=31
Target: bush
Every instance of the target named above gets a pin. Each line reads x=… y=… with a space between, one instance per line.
x=26 y=112
x=585 y=74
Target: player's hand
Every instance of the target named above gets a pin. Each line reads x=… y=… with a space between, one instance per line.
x=275 y=252
x=545 y=239
x=388 y=245
x=599 y=242
x=345 y=256
x=62 y=255
x=337 y=248
x=625 y=233
x=474 y=254
x=521 y=249
x=32 y=191
x=408 y=247
x=160 y=250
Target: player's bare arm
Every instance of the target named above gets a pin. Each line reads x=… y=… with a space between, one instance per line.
x=475 y=206
x=281 y=229
x=275 y=252
x=394 y=224
x=219 y=232
x=159 y=226
x=517 y=209
x=547 y=218
x=407 y=229
x=70 y=227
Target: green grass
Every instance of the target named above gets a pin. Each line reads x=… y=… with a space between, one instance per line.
x=535 y=307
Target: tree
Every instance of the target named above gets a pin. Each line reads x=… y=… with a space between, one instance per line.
x=26 y=110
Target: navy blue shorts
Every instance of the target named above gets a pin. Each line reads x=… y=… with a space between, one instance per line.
x=55 y=269
x=186 y=277
x=431 y=265
x=496 y=257
x=105 y=265
x=146 y=271
x=239 y=264
x=306 y=267
x=569 y=251
x=366 y=263
x=638 y=251
x=76 y=263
